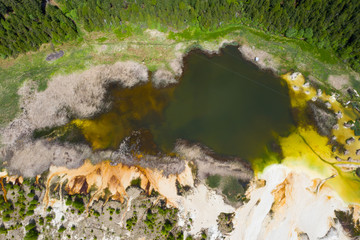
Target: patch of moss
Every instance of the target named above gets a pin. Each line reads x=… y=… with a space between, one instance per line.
x=136 y=182
x=233 y=189
x=213 y=180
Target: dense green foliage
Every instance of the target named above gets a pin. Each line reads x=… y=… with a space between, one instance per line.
x=330 y=24
x=26 y=24
x=325 y=23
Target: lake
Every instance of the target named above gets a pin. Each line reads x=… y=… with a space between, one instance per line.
x=222 y=101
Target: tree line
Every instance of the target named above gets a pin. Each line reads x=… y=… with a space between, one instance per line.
x=331 y=24
x=26 y=24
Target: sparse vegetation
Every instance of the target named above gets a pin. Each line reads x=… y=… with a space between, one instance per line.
x=159 y=221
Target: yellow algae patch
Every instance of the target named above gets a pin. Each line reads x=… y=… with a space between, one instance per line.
x=111 y=181
x=307 y=150
x=129 y=107
x=312 y=158
x=300 y=92
x=299 y=154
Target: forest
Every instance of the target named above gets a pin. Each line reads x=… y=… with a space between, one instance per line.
x=329 y=24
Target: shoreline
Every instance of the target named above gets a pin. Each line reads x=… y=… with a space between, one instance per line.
x=282 y=185
x=164 y=56
x=23 y=126
x=46 y=109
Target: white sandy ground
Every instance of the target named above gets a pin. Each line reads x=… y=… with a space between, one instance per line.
x=287 y=207
x=203 y=206
x=265 y=60
x=339 y=81
x=283 y=204
x=298 y=210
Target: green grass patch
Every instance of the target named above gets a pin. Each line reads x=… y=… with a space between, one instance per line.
x=356 y=128
x=101 y=39
x=35 y=67
x=294 y=54
x=232 y=189
x=80 y=54
x=213 y=180
x=195 y=33
x=136 y=182
x=127 y=30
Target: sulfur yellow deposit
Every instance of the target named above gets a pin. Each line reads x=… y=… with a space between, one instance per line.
x=307 y=150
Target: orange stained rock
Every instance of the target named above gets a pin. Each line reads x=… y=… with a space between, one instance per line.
x=3 y=188
x=108 y=181
x=315 y=183
x=260 y=183
x=37 y=179
x=281 y=193
x=14 y=179
x=356 y=212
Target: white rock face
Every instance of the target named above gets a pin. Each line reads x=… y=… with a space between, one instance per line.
x=296 y=209
x=204 y=207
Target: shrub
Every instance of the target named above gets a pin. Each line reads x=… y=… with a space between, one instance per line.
x=68 y=201
x=291 y=33
x=32 y=207
x=30 y=213
x=78 y=203
x=6 y=218
x=61 y=229
x=130 y=223
x=41 y=221
x=32 y=234
x=31 y=194
x=49 y=217
x=150 y=220
x=30 y=226
x=96 y=214
x=167 y=227
x=3 y=230
x=136 y=182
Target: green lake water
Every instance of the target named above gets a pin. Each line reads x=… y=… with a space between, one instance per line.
x=227 y=104
x=223 y=102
